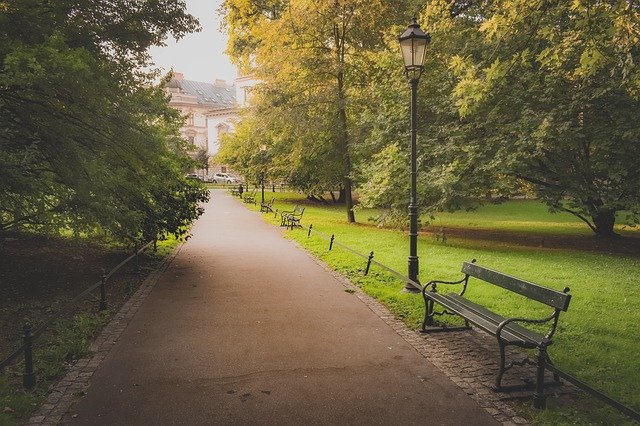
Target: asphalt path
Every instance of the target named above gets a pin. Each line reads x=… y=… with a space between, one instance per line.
x=244 y=327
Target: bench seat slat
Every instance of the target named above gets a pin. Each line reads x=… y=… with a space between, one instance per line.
x=486 y=320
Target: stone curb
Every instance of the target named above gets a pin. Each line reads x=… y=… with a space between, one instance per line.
x=76 y=382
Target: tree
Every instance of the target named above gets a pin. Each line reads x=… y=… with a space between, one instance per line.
x=454 y=172
x=549 y=95
x=202 y=158
x=240 y=149
x=86 y=141
x=520 y=92
x=308 y=77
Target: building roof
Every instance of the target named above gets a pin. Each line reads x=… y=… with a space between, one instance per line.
x=217 y=96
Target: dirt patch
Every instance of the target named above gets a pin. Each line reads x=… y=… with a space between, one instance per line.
x=628 y=246
x=39 y=275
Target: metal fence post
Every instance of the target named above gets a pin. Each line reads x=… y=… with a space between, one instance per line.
x=137 y=266
x=29 y=378
x=103 y=291
x=310 y=227
x=366 y=271
x=331 y=243
x=275 y=214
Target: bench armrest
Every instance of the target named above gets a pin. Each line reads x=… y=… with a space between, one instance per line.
x=433 y=284
x=547 y=338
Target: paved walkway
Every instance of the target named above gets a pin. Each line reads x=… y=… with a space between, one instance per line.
x=243 y=327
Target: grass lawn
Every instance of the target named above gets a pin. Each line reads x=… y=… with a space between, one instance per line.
x=597 y=339
x=528 y=216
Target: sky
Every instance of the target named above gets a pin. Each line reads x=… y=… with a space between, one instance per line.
x=199 y=56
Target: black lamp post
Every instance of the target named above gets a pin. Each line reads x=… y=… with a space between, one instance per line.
x=413 y=44
x=263 y=153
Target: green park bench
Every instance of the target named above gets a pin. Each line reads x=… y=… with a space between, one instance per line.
x=267 y=207
x=291 y=218
x=508 y=331
x=250 y=198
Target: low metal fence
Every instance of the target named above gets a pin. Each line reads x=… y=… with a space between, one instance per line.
x=268 y=186
x=29 y=335
x=368 y=257
x=628 y=411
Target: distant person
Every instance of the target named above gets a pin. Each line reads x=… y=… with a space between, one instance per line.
x=240 y=189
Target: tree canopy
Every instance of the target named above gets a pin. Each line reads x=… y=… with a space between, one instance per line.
x=87 y=142
x=305 y=53
x=516 y=95
x=548 y=95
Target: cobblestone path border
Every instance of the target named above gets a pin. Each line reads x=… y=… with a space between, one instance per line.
x=76 y=382
x=469 y=358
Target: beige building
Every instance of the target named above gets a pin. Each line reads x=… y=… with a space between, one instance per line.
x=197 y=101
x=211 y=109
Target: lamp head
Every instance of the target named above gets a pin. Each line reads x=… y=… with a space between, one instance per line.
x=413 y=45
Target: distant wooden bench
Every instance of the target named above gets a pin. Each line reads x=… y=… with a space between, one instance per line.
x=250 y=198
x=267 y=207
x=508 y=331
x=291 y=218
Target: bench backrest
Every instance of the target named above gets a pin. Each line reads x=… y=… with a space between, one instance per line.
x=548 y=296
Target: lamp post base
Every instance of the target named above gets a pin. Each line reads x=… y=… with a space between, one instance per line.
x=409 y=288
x=413 y=275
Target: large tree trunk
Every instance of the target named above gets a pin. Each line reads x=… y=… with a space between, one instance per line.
x=343 y=131
x=346 y=158
x=602 y=221
x=603 y=224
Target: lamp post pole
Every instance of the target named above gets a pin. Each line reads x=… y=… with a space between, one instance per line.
x=413 y=203
x=263 y=154
x=413 y=45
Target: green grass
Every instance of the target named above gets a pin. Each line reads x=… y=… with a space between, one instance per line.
x=15 y=404
x=66 y=341
x=597 y=339
x=521 y=216
x=527 y=216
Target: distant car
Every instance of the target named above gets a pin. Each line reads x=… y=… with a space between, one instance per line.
x=232 y=179
x=223 y=178
x=193 y=176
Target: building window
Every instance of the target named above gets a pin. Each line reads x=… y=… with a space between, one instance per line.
x=192 y=140
x=223 y=169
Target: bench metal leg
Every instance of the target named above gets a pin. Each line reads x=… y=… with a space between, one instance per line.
x=498 y=385
x=556 y=377
x=428 y=315
x=539 y=400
